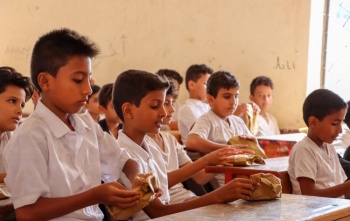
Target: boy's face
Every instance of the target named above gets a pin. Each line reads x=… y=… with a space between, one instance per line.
x=169 y=108
x=110 y=114
x=198 y=90
x=148 y=117
x=225 y=102
x=69 y=90
x=12 y=101
x=328 y=129
x=263 y=97
x=92 y=104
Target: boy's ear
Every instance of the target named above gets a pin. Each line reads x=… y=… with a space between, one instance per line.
x=251 y=98
x=43 y=80
x=127 y=110
x=210 y=99
x=191 y=84
x=101 y=108
x=312 y=121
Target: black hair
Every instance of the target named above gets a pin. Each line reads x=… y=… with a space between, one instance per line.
x=9 y=76
x=221 y=79
x=105 y=95
x=260 y=80
x=347 y=116
x=170 y=74
x=54 y=49
x=133 y=85
x=321 y=103
x=95 y=89
x=195 y=72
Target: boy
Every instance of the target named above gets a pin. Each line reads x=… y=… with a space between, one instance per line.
x=15 y=90
x=213 y=129
x=178 y=79
x=196 y=83
x=314 y=168
x=261 y=93
x=175 y=157
x=92 y=104
x=138 y=98
x=56 y=159
x=112 y=122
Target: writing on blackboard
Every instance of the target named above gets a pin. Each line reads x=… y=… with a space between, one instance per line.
x=284 y=64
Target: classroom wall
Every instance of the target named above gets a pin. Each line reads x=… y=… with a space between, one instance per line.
x=246 y=37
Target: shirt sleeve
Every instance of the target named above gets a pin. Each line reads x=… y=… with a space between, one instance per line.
x=305 y=163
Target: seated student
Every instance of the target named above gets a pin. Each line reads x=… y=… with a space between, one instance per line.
x=91 y=105
x=175 y=157
x=138 y=99
x=178 y=79
x=111 y=123
x=213 y=129
x=15 y=90
x=56 y=159
x=314 y=167
x=196 y=105
x=261 y=93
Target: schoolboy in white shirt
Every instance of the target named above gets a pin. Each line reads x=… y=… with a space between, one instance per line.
x=56 y=159
x=213 y=129
x=15 y=90
x=138 y=98
x=261 y=93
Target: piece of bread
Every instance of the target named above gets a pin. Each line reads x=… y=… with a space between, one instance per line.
x=251 y=145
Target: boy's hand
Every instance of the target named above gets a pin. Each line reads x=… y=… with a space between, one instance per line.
x=136 y=183
x=241 y=149
x=238 y=188
x=222 y=156
x=116 y=195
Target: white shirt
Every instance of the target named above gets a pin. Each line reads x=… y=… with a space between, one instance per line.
x=174 y=157
x=150 y=159
x=211 y=127
x=4 y=138
x=309 y=160
x=44 y=158
x=269 y=127
x=188 y=113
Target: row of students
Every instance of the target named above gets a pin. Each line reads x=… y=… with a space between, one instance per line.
x=56 y=159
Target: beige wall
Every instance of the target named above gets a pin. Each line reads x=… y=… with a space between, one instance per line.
x=246 y=37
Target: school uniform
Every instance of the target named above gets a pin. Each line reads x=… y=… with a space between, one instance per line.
x=4 y=138
x=321 y=165
x=44 y=158
x=188 y=113
x=211 y=127
x=269 y=127
x=174 y=156
x=150 y=159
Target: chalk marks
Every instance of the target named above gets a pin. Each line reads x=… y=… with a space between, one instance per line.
x=284 y=64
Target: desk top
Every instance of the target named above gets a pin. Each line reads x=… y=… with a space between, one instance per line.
x=278 y=164
x=289 y=207
x=284 y=137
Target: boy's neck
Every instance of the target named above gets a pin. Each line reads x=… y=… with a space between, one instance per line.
x=113 y=128
x=134 y=135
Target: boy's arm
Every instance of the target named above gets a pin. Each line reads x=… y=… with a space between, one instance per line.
x=49 y=208
x=2 y=177
x=307 y=187
x=236 y=189
x=196 y=143
x=131 y=169
x=218 y=157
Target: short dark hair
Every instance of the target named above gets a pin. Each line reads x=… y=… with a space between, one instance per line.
x=260 y=80
x=221 y=79
x=347 y=116
x=133 y=85
x=105 y=95
x=321 y=103
x=95 y=89
x=54 y=49
x=196 y=71
x=9 y=76
x=172 y=74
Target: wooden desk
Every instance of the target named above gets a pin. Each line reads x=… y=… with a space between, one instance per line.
x=289 y=207
x=6 y=207
x=277 y=166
